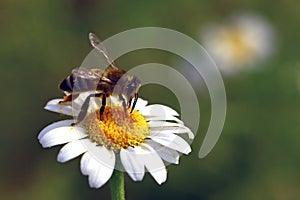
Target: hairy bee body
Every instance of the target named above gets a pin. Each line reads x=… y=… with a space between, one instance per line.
x=83 y=80
x=103 y=83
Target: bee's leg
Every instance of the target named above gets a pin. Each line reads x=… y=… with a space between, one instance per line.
x=84 y=107
x=134 y=102
x=101 y=111
x=129 y=102
x=69 y=98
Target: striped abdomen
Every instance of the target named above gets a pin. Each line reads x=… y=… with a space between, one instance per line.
x=74 y=84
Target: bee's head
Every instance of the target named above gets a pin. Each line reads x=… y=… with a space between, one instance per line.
x=132 y=87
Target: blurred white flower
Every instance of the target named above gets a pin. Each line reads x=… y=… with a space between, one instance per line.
x=242 y=43
x=141 y=141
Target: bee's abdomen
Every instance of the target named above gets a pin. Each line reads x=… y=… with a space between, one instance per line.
x=67 y=84
x=85 y=84
x=76 y=84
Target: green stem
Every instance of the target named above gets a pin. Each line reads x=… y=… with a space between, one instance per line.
x=117 y=185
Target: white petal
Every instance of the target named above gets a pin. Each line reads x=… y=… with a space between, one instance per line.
x=100 y=176
x=131 y=164
x=158 y=110
x=88 y=160
x=100 y=154
x=154 y=164
x=55 y=125
x=93 y=104
x=177 y=130
x=99 y=172
x=140 y=104
x=62 y=135
x=86 y=164
x=81 y=98
x=164 y=118
x=70 y=151
x=163 y=124
x=98 y=163
x=54 y=106
x=172 y=141
x=73 y=108
x=165 y=153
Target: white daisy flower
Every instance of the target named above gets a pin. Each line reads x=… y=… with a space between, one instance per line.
x=147 y=139
x=243 y=42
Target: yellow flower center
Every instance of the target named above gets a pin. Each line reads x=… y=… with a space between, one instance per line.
x=117 y=129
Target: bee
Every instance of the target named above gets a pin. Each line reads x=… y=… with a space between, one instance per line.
x=103 y=84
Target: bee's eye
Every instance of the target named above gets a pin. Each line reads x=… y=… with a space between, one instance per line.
x=131 y=87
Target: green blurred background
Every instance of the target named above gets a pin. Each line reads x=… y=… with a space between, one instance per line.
x=257 y=156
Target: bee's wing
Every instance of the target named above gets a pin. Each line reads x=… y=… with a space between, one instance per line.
x=90 y=74
x=99 y=74
x=84 y=73
x=97 y=44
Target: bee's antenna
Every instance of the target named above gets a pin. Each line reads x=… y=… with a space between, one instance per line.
x=97 y=44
